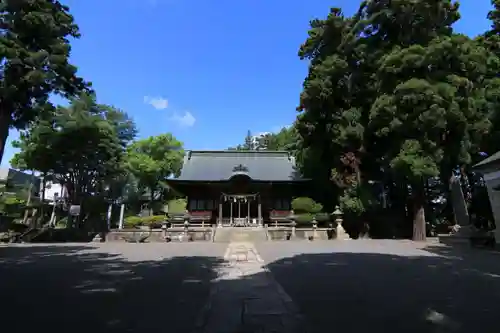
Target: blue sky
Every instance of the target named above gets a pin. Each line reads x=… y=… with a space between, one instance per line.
x=205 y=70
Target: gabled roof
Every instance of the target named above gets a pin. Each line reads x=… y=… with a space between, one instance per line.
x=260 y=165
x=490 y=161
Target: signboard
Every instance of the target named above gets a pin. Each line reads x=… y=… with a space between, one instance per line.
x=74 y=210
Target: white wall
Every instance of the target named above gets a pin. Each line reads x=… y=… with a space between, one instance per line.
x=51 y=189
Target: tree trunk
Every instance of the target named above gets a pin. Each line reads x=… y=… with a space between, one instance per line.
x=5 y=120
x=419 y=232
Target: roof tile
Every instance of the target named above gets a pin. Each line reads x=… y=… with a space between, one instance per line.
x=222 y=165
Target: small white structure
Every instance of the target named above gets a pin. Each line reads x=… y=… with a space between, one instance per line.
x=490 y=169
x=53 y=191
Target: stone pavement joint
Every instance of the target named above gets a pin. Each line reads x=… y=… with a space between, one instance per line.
x=245 y=298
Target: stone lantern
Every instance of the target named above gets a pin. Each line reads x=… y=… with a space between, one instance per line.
x=341 y=233
x=315 y=227
x=293 y=218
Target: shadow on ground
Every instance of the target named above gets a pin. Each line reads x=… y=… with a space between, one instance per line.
x=84 y=289
x=441 y=289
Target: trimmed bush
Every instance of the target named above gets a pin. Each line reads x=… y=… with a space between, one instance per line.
x=177 y=206
x=306 y=209
x=304 y=218
x=154 y=221
x=62 y=223
x=323 y=217
x=132 y=221
x=306 y=205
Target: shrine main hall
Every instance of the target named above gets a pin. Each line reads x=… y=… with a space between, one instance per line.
x=239 y=188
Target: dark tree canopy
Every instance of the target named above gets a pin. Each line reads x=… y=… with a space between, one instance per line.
x=34 y=51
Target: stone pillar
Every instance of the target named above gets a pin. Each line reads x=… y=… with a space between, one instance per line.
x=122 y=212
x=219 y=223
x=462 y=227
x=108 y=217
x=315 y=227
x=231 y=213
x=259 y=213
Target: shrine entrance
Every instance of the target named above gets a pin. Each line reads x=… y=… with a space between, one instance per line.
x=240 y=210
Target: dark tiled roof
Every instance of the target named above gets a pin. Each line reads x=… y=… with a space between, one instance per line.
x=222 y=165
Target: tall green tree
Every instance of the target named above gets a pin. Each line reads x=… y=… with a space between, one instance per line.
x=34 y=51
x=491 y=40
x=432 y=111
x=82 y=146
x=394 y=97
x=284 y=139
x=249 y=143
x=152 y=160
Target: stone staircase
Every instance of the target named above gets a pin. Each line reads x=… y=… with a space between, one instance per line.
x=240 y=234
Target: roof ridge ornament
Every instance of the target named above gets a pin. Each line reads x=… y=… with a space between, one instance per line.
x=240 y=168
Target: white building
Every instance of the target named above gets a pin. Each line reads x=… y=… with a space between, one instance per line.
x=53 y=191
x=490 y=169
x=257 y=140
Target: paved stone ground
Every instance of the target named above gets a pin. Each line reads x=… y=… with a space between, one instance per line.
x=348 y=286
x=388 y=286
x=110 y=287
x=246 y=299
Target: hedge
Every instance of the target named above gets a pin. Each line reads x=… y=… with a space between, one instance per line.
x=137 y=221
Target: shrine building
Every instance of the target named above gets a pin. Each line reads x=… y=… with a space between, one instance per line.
x=239 y=188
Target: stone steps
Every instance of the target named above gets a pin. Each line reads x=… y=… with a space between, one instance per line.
x=239 y=234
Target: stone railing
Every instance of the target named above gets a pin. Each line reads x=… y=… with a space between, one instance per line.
x=280 y=217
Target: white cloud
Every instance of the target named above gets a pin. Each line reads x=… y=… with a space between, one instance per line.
x=159 y=103
x=184 y=120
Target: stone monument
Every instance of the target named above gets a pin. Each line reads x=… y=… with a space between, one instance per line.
x=462 y=227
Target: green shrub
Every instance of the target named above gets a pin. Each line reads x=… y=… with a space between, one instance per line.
x=306 y=205
x=132 y=221
x=154 y=221
x=177 y=206
x=62 y=223
x=323 y=217
x=304 y=218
